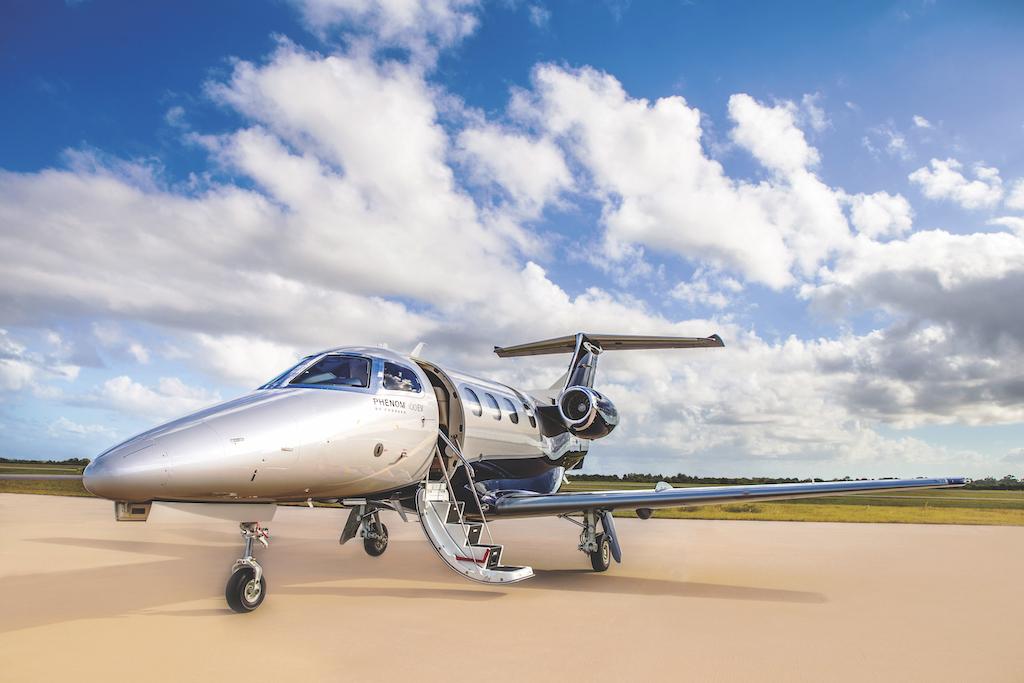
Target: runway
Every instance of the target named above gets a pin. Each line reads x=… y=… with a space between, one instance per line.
x=84 y=597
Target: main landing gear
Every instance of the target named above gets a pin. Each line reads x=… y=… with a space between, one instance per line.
x=364 y=520
x=375 y=535
x=600 y=546
x=246 y=588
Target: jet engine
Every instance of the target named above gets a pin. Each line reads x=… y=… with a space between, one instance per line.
x=587 y=413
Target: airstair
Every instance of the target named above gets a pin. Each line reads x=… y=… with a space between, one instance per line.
x=454 y=537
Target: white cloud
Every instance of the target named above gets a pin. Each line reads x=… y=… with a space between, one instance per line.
x=1015 y=196
x=421 y=26
x=813 y=112
x=1014 y=223
x=880 y=214
x=532 y=171
x=246 y=361
x=700 y=290
x=111 y=336
x=646 y=163
x=168 y=399
x=771 y=134
x=63 y=427
x=886 y=138
x=540 y=15
x=24 y=369
x=921 y=122
x=943 y=179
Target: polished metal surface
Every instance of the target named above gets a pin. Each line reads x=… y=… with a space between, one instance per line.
x=281 y=443
x=516 y=505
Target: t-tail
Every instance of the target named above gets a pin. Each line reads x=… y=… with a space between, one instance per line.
x=583 y=410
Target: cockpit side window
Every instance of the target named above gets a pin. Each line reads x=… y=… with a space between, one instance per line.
x=337 y=371
x=473 y=401
x=399 y=378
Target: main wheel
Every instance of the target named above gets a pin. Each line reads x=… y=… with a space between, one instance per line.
x=375 y=547
x=243 y=593
x=601 y=558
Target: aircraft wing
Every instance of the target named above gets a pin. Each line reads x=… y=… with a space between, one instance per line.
x=525 y=504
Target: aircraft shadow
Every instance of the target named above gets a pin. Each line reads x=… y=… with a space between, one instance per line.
x=190 y=571
x=586 y=581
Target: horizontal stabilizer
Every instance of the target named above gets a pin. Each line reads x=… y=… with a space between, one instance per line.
x=607 y=342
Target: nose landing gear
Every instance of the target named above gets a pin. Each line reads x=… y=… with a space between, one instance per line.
x=246 y=588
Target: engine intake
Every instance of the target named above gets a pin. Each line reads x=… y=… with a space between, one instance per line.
x=587 y=413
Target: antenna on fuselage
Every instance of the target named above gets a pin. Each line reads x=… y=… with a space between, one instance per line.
x=415 y=353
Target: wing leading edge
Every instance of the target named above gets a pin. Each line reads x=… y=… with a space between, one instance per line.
x=521 y=504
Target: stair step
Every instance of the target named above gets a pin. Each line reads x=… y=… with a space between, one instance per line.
x=456 y=543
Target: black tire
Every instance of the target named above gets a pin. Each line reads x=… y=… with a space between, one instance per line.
x=375 y=547
x=241 y=592
x=601 y=558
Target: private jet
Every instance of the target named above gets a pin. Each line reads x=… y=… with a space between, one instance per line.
x=368 y=429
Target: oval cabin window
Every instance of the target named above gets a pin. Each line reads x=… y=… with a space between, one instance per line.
x=492 y=406
x=510 y=408
x=470 y=398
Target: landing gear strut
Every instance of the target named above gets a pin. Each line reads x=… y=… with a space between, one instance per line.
x=246 y=588
x=601 y=547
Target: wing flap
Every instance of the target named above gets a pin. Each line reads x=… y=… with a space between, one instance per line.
x=525 y=505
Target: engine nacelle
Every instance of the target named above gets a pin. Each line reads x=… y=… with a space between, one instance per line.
x=587 y=413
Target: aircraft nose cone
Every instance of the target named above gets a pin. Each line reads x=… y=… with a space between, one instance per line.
x=122 y=473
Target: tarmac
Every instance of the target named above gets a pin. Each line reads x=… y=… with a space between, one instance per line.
x=85 y=598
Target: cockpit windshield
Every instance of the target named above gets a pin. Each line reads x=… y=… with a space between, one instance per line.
x=276 y=382
x=336 y=370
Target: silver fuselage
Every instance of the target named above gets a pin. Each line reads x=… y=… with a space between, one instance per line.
x=297 y=443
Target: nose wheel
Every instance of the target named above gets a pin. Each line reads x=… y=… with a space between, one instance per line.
x=246 y=588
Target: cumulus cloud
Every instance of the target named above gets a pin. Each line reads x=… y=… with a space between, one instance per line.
x=880 y=214
x=532 y=172
x=701 y=290
x=943 y=179
x=1015 y=195
x=421 y=26
x=646 y=163
x=23 y=368
x=771 y=134
x=169 y=398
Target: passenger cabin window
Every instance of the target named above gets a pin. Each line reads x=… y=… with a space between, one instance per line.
x=399 y=378
x=510 y=408
x=492 y=406
x=473 y=401
x=529 y=414
x=337 y=371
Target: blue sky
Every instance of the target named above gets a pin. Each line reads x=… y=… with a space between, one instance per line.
x=197 y=193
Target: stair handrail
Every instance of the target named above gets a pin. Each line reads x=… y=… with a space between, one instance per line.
x=451 y=492
x=472 y=484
